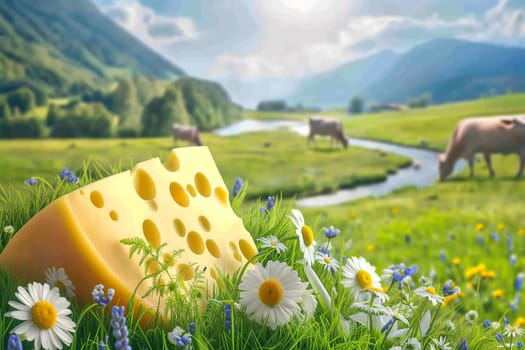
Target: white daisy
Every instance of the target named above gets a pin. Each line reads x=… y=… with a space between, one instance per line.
x=328 y=261
x=412 y=344
x=429 y=293
x=360 y=276
x=9 y=229
x=308 y=303
x=440 y=344
x=512 y=331
x=306 y=236
x=273 y=243
x=396 y=315
x=58 y=278
x=472 y=315
x=271 y=294
x=45 y=315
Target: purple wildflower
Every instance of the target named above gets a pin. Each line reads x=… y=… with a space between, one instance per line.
x=31 y=181
x=120 y=330
x=98 y=295
x=237 y=186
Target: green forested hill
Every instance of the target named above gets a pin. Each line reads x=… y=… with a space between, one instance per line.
x=67 y=46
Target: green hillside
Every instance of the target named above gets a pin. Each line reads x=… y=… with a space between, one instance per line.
x=66 y=47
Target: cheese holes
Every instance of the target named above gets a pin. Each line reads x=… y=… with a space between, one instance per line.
x=172 y=164
x=180 y=228
x=97 y=199
x=205 y=223
x=213 y=248
x=195 y=242
x=221 y=195
x=144 y=184
x=191 y=190
x=235 y=252
x=151 y=232
x=185 y=271
x=247 y=249
x=113 y=215
x=202 y=184
x=179 y=195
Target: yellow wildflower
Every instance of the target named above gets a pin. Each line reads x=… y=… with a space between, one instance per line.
x=353 y=215
x=521 y=232
x=370 y=247
x=456 y=261
x=395 y=211
x=498 y=293
x=480 y=227
x=520 y=322
x=500 y=227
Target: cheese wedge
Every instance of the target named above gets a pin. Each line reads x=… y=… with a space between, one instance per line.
x=183 y=202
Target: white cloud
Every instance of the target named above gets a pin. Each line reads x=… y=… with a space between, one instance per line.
x=505 y=22
x=154 y=29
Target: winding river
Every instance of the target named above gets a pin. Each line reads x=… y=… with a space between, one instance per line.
x=425 y=174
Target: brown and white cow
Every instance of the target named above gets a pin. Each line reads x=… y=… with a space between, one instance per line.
x=327 y=127
x=186 y=133
x=484 y=135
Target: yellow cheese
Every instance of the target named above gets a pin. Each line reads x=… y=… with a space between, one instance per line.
x=182 y=202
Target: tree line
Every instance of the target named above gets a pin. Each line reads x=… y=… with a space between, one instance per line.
x=135 y=107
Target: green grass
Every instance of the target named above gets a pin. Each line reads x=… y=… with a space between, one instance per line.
x=439 y=219
x=286 y=165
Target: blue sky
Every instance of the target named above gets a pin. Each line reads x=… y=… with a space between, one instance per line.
x=261 y=48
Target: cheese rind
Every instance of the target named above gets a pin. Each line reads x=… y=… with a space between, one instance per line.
x=183 y=203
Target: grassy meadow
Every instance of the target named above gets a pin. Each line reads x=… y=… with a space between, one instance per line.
x=470 y=231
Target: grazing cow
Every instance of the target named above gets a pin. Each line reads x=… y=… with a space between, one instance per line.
x=186 y=133
x=327 y=127
x=484 y=135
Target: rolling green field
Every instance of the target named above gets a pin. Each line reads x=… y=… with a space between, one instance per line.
x=470 y=231
x=285 y=164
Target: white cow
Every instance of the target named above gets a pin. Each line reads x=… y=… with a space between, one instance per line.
x=484 y=135
x=186 y=133
x=327 y=127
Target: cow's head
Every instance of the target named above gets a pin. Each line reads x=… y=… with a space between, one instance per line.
x=445 y=167
x=344 y=141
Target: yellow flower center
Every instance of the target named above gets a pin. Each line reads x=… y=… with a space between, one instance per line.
x=364 y=279
x=308 y=235
x=431 y=290
x=44 y=314
x=327 y=260
x=273 y=243
x=512 y=329
x=60 y=285
x=270 y=292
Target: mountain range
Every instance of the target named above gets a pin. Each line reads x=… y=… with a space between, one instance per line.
x=63 y=46
x=448 y=69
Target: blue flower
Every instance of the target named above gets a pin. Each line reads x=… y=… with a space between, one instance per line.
x=98 y=295
x=387 y=326
x=68 y=175
x=191 y=327
x=120 y=330
x=513 y=259
x=519 y=344
x=499 y=338
x=14 y=342
x=331 y=232
x=442 y=255
x=237 y=186
x=494 y=236
x=486 y=323
x=448 y=290
x=518 y=283
x=463 y=344
x=31 y=181
x=179 y=338
x=102 y=345
x=480 y=239
x=270 y=203
x=407 y=238
x=228 y=317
